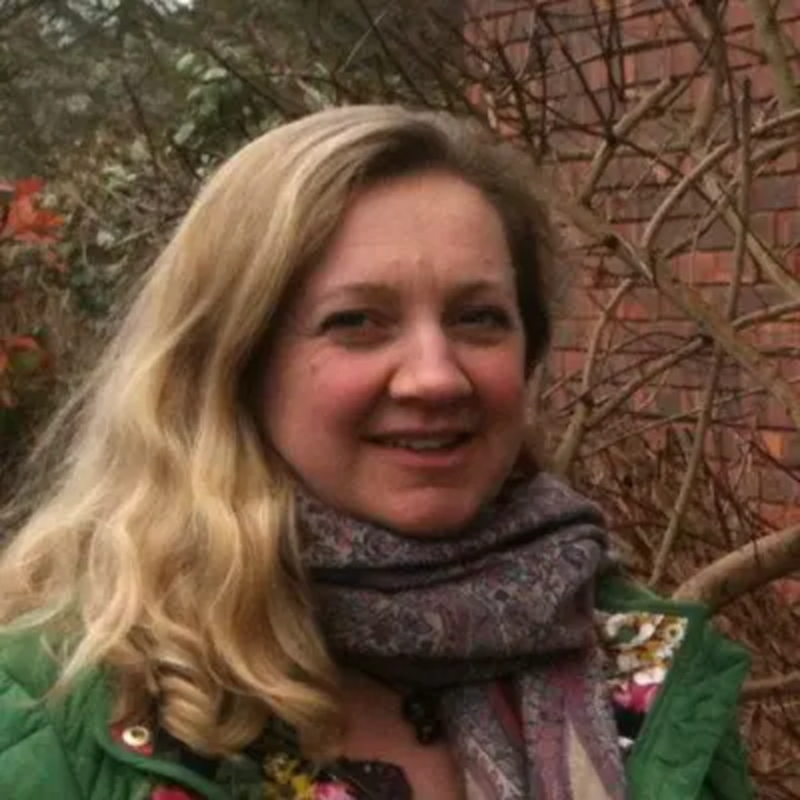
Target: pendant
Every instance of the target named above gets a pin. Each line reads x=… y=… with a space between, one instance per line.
x=421 y=710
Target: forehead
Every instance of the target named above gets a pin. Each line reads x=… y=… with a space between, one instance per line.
x=426 y=228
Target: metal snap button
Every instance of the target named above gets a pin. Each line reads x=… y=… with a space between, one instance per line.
x=137 y=736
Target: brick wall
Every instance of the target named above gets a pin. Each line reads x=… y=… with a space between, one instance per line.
x=574 y=90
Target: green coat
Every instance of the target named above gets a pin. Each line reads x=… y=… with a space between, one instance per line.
x=688 y=749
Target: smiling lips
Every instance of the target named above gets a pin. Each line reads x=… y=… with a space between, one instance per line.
x=423 y=442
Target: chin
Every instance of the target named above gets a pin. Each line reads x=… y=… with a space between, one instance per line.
x=431 y=512
x=433 y=523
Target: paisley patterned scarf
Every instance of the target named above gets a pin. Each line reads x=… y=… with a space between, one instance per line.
x=498 y=620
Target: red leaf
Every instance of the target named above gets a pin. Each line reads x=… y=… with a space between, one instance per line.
x=23 y=343
x=24 y=220
x=4 y=362
x=28 y=186
x=27 y=223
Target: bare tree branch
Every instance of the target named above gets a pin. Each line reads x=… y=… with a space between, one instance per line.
x=706 y=414
x=740 y=572
x=771 y=40
x=761 y=688
x=571 y=439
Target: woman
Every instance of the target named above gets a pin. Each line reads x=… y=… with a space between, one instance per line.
x=297 y=548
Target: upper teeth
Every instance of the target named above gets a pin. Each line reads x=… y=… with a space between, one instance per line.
x=424 y=444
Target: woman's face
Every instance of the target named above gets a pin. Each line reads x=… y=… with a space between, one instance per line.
x=395 y=388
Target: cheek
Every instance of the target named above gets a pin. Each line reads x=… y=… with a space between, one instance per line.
x=338 y=391
x=502 y=386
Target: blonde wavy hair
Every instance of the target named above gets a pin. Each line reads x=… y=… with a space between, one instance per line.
x=165 y=548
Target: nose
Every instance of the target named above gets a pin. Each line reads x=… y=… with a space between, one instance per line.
x=429 y=370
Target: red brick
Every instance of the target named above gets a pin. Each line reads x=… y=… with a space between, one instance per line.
x=601 y=299
x=738 y=14
x=773 y=415
x=726 y=445
x=788 y=364
x=762 y=224
x=683 y=58
x=774 y=442
x=572 y=361
x=630 y=230
x=732 y=377
x=762 y=81
x=674 y=231
x=718 y=236
x=788 y=161
x=684 y=377
x=651 y=64
x=664 y=337
x=618 y=369
x=780 y=334
x=780 y=515
x=640 y=305
x=778 y=487
x=775 y=193
x=669 y=401
x=668 y=311
x=698 y=267
x=787 y=12
x=740 y=48
x=787 y=228
x=759 y=297
x=569 y=335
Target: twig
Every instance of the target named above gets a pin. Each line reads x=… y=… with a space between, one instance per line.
x=668 y=422
x=571 y=440
x=578 y=71
x=704 y=165
x=363 y=38
x=401 y=70
x=769 y=37
x=759 y=253
x=519 y=99
x=144 y=127
x=760 y=688
x=719 y=206
x=707 y=412
x=744 y=570
x=690 y=301
x=625 y=125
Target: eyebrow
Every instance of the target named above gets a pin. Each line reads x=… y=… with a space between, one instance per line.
x=373 y=290
x=380 y=291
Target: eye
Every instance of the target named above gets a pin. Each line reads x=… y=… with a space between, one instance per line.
x=345 y=320
x=486 y=317
x=354 y=326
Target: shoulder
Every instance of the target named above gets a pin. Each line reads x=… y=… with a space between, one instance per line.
x=63 y=746
x=40 y=737
x=26 y=661
x=667 y=657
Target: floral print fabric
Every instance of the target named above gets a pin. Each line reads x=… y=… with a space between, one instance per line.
x=271 y=770
x=640 y=649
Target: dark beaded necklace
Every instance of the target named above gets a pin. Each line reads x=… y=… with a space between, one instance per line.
x=421 y=711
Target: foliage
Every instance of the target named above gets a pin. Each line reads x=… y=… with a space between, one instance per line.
x=30 y=264
x=657 y=127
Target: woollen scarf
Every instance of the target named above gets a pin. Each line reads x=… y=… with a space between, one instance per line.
x=497 y=619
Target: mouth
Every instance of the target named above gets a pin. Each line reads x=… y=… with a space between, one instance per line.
x=442 y=443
